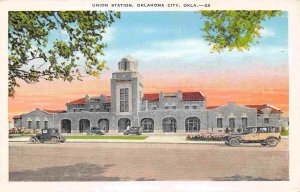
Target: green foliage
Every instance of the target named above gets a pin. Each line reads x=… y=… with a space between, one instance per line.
x=284 y=131
x=226 y=130
x=33 y=56
x=234 y=29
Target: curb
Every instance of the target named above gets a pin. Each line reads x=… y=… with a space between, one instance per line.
x=131 y=141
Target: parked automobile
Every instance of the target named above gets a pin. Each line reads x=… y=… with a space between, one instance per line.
x=49 y=134
x=96 y=131
x=133 y=131
x=265 y=135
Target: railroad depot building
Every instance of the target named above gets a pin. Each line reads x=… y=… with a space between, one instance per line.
x=128 y=105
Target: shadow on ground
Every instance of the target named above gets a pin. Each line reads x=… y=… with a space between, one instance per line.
x=245 y=178
x=77 y=172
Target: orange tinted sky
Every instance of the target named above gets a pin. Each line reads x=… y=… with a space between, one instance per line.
x=173 y=55
x=242 y=86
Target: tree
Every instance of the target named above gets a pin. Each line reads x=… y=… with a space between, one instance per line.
x=33 y=55
x=234 y=29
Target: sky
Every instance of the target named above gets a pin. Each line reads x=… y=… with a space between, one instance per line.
x=173 y=55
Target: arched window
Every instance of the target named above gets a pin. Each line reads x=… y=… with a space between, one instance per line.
x=123 y=124
x=103 y=124
x=65 y=126
x=84 y=125
x=147 y=125
x=192 y=124
x=169 y=124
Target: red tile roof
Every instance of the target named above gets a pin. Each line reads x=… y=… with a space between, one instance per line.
x=77 y=102
x=263 y=106
x=54 y=111
x=17 y=117
x=258 y=107
x=212 y=107
x=151 y=96
x=186 y=96
x=192 y=96
x=82 y=101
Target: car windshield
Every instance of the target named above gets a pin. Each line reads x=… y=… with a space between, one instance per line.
x=250 y=130
x=261 y=130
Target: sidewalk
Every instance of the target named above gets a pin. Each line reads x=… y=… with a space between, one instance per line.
x=150 y=139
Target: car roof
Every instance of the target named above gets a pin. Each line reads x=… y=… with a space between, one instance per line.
x=260 y=126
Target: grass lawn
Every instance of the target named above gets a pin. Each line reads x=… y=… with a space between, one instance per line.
x=284 y=133
x=19 y=135
x=129 y=137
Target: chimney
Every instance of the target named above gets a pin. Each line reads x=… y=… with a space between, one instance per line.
x=87 y=98
x=161 y=96
x=179 y=95
x=102 y=98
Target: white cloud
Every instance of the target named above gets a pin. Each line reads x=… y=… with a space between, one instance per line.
x=182 y=49
x=266 y=32
x=196 y=54
x=148 y=30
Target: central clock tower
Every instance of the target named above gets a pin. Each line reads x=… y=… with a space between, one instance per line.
x=127 y=89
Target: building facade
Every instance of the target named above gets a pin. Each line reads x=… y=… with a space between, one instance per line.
x=128 y=105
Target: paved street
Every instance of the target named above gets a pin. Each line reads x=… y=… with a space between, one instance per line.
x=146 y=162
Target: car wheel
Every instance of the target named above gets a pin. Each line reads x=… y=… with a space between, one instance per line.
x=263 y=143
x=54 y=140
x=272 y=142
x=234 y=142
x=32 y=141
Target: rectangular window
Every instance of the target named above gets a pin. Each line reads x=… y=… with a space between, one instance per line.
x=124 y=106
x=219 y=122
x=153 y=108
x=173 y=107
x=186 y=107
x=29 y=124
x=167 y=107
x=37 y=124
x=232 y=123
x=194 y=107
x=45 y=124
x=244 y=122
x=266 y=120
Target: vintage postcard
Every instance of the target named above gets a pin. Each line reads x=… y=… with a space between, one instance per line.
x=149 y=96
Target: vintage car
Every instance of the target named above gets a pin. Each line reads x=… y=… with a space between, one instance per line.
x=96 y=131
x=133 y=131
x=265 y=135
x=49 y=134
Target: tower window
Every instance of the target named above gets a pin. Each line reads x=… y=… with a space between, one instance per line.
x=124 y=106
x=125 y=65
